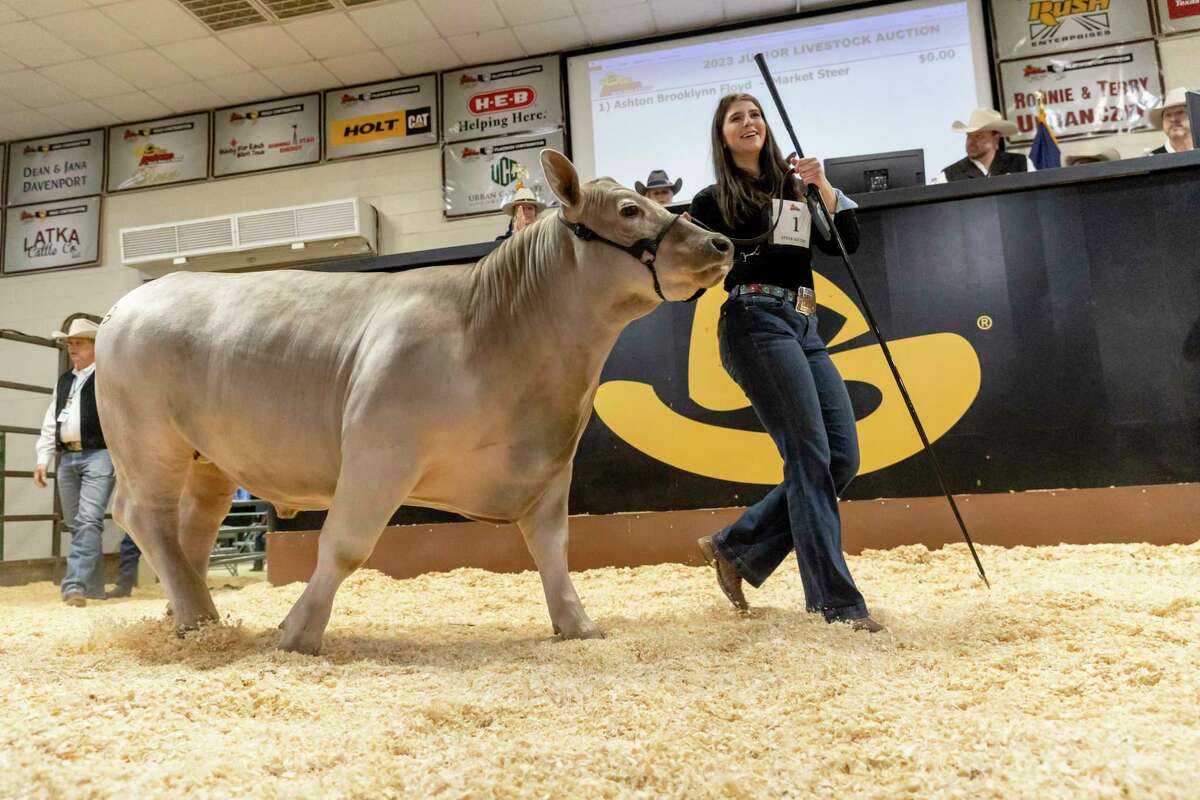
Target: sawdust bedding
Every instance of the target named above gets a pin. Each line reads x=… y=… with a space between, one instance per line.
x=1077 y=676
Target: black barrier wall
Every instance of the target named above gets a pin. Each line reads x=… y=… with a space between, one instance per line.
x=1050 y=338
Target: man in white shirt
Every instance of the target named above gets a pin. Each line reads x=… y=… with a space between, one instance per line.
x=85 y=472
x=985 y=130
x=1172 y=118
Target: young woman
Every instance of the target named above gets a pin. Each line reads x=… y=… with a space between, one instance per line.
x=769 y=344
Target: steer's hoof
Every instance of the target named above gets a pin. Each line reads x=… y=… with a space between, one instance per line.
x=305 y=648
x=581 y=632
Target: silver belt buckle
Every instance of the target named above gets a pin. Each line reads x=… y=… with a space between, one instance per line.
x=806 y=301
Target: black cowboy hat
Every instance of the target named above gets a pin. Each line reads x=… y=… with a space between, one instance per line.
x=658 y=180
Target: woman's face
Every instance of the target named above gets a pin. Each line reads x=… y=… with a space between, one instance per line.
x=744 y=129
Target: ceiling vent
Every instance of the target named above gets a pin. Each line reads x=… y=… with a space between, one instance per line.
x=338 y=229
x=286 y=9
x=221 y=15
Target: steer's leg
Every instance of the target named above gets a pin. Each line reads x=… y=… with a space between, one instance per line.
x=203 y=504
x=545 y=530
x=369 y=489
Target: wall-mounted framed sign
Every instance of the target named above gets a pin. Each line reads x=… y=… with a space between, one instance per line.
x=285 y=132
x=64 y=233
x=56 y=167
x=477 y=176
x=498 y=99
x=1091 y=92
x=1178 y=16
x=158 y=152
x=381 y=117
x=1033 y=27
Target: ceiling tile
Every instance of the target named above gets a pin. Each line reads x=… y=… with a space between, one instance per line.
x=34 y=89
x=80 y=114
x=296 y=78
x=418 y=57
x=363 y=68
x=745 y=9
x=631 y=22
x=91 y=32
x=264 y=46
x=8 y=105
x=244 y=88
x=133 y=106
x=194 y=96
x=87 y=79
x=680 y=15
x=454 y=17
x=45 y=8
x=145 y=69
x=8 y=64
x=8 y=15
x=34 y=46
x=329 y=35
x=527 y=12
x=155 y=21
x=394 y=23
x=27 y=124
x=552 y=36
x=600 y=6
x=479 y=48
x=204 y=58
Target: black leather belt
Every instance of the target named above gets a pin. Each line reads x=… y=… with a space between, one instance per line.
x=804 y=300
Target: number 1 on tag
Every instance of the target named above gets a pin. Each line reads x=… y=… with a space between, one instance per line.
x=795 y=223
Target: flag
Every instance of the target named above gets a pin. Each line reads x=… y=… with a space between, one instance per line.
x=1045 y=153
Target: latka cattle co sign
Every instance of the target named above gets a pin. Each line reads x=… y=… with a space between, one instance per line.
x=55 y=168
x=480 y=175
x=380 y=117
x=1033 y=27
x=157 y=153
x=48 y=235
x=501 y=99
x=277 y=133
x=1090 y=92
x=1176 y=16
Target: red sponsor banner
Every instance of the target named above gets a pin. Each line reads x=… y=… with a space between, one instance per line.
x=1181 y=9
x=501 y=100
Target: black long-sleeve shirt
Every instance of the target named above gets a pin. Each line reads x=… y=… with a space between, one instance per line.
x=787 y=266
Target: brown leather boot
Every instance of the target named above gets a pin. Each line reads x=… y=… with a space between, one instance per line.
x=75 y=599
x=866 y=624
x=727 y=575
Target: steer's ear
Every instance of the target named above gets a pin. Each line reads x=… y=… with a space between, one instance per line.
x=564 y=182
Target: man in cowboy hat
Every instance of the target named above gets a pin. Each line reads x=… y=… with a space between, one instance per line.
x=658 y=187
x=1172 y=118
x=1091 y=154
x=85 y=472
x=522 y=208
x=985 y=130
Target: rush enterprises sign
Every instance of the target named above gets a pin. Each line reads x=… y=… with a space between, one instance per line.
x=480 y=175
x=268 y=135
x=1105 y=90
x=59 y=167
x=48 y=235
x=395 y=115
x=1033 y=27
x=1176 y=16
x=502 y=98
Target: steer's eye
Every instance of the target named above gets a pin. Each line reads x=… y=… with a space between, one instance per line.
x=630 y=211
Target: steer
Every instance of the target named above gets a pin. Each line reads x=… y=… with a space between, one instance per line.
x=463 y=388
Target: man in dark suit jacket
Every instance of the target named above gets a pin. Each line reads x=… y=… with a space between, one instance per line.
x=1172 y=118
x=986 y=156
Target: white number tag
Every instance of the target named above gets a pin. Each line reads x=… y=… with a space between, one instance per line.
x=795 y=223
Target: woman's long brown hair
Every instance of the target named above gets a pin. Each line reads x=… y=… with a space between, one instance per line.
x=741 y=196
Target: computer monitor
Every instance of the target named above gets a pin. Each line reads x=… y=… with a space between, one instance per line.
x=876 y=172
x=1193 y=107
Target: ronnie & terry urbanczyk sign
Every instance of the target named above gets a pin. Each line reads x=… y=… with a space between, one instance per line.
x=268 y=135
x=499 y=99
x=47 y=235
x=55 y=168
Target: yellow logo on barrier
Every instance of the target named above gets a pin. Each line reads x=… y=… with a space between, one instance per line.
x=941 y=371
x=1052 y=12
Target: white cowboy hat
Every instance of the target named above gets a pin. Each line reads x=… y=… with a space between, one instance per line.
x=1094 y=152
x=522 y=195
x=985 y=119
x=1175 y=97
x=80 y=329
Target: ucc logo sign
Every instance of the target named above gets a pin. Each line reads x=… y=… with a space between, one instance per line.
x=501 y=100
x=941 y=371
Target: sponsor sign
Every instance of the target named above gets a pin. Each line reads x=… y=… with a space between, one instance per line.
x=158 y=152
x=501 y=99
x=395 y=115
x=480 y=175
x=1176 y=16
x=1033 y=27
x=268 y=135
x=47 y=235
x=55 y=168
x=1106 y=90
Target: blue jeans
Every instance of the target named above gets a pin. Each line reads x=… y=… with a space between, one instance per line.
x=776 y=356
x=85 y=484
x=128 y=569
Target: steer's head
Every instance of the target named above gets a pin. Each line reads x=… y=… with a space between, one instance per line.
x=688 y=258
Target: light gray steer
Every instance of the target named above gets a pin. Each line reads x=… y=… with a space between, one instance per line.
x=459 y=388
